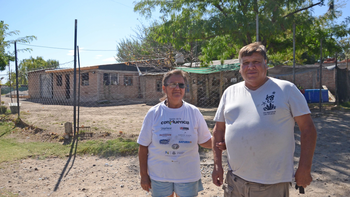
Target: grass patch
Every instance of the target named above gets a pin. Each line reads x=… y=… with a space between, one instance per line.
x=115 y=147
x=345 y=105
x=5 y=127
x=13 y=150
x=6 y=193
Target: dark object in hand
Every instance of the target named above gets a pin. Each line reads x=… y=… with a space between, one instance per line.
x=301 y=189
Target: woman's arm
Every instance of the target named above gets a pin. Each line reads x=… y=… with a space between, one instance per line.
x=145 y=179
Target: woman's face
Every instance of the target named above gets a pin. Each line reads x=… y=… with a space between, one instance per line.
x=175 y=89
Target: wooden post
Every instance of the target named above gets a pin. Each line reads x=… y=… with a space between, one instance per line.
x=320 y=99
x=221 y=83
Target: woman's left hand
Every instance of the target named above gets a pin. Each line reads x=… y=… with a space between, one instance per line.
x=221 y=145
x=146 y=182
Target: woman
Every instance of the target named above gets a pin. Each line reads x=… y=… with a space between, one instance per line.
x=169 y=138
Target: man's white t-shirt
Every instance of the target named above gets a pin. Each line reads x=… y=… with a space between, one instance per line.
x=260 y=129
x=172 y=137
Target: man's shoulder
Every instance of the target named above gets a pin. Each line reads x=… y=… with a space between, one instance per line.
x=281 y=82
x=237 y=85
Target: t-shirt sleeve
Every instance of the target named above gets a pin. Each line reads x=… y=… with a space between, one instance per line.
x=297 y=102
x=145 y=137
x=203 y=130
x=220 y=115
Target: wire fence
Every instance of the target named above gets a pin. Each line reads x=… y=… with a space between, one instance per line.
x=110 y=100
x=100 y=86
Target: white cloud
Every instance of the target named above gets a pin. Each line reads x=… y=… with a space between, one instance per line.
x=111 y=59
x=98 y=56
x=71 y=52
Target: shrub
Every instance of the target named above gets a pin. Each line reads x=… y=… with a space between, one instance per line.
x=3 y=109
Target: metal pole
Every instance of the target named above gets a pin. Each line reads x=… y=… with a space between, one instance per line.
x=75 y=79
x=17 y=78
x=320 y=100
x=78 y=89
x=257 y=27
x=10 y=81
x=294 y=53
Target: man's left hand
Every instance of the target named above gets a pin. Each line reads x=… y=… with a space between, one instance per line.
x=303 y=178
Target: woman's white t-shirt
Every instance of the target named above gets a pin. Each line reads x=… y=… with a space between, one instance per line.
x=172 y=137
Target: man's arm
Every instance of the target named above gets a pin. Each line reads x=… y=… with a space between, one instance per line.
x=145 y=179
x=308 y=143
x=218 y=136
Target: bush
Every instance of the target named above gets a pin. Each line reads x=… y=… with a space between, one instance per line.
x=3 y=109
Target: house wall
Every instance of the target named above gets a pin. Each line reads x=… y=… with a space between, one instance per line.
x=120 y=90
x=205 y=88
x=311 y=79
x=149 y=90
x=34 y=84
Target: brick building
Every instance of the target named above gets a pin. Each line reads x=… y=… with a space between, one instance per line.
x=97 y=83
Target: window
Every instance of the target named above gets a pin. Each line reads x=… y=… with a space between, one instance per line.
x=59 y=80
x=106 y=80
x=84 y=79
x=128 y=80
x=110 y=79
x=159 y=85
x=114 y=78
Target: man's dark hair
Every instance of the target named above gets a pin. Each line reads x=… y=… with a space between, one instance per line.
x=248 y=50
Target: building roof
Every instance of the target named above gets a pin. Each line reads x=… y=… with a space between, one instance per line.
x=117 y=67
x=229 y=65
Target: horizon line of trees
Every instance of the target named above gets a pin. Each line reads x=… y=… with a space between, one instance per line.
x=216 y=30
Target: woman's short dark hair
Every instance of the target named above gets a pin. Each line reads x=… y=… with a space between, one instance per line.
x=174 y=72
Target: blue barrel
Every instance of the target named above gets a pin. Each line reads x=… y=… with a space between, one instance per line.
x=313 y=95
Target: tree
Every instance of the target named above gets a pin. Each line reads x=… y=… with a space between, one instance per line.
x=31 y=64
x=224 y=26
x=5 y=57
x=144 y=46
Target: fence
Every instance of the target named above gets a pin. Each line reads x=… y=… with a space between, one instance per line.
x=110 y=101
x=100 y=87
x=96 y=86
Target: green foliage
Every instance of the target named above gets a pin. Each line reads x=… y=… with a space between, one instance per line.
x=6 y=193
x=148 y=44
x=14 y=150
x=3 y=109
x=5 y=127
x=30 y=64
x=4 y=56
x=109 y=148
x=345 y=105
x=223 y=27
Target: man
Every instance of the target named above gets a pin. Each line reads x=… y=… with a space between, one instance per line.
x=256 y=119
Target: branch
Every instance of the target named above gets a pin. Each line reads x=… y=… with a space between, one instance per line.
x=220 y=8
x=302 y=9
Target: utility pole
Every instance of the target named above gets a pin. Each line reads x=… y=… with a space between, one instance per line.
x=294 y=53
x=320 y=99
x=257 y=27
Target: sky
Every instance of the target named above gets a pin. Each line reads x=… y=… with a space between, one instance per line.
x=101 y=25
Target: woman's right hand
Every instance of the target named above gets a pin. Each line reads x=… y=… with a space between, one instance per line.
x=146 y=182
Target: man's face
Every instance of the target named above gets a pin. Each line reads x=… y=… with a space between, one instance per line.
x=253 y=70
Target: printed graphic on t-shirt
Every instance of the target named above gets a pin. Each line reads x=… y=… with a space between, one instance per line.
x=269 y=107
x=176 y=137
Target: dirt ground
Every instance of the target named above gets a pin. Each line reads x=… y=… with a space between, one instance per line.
x=94 y=176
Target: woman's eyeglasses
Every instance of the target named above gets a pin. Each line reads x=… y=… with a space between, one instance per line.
x=173 y=85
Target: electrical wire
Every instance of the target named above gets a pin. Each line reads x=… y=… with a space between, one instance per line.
x=62 y=48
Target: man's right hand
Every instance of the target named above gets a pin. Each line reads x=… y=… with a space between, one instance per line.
x=145 y=182
x=218 y=175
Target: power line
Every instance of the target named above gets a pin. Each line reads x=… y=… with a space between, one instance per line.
x=62 y=48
